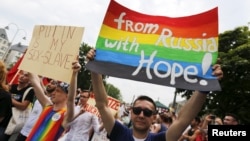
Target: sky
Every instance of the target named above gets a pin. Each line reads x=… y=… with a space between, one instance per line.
x=23 y=15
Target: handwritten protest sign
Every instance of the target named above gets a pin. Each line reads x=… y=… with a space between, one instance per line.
x=113 y=104
x=177 y=52
x=52 y=50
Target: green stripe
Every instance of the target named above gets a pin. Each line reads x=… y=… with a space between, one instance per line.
x=162 y=52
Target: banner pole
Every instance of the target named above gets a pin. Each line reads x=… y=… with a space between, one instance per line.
x=14 y=77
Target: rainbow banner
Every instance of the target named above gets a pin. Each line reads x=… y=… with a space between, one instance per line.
x=177 y=52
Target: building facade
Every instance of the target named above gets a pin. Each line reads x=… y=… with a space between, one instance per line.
x=4 y=43
x=9 y=53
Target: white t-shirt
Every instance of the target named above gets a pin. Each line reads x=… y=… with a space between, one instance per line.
x=136 y=139
x=79 y=128
x=35 y=113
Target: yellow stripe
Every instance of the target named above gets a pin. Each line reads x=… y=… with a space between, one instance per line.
x=114 y=34
x=151 y=39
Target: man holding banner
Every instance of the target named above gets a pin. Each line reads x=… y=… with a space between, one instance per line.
x=143 y=113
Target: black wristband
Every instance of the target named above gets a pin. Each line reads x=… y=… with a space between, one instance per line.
x=205 y=92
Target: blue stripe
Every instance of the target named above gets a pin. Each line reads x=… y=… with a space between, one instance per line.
x=134 y=60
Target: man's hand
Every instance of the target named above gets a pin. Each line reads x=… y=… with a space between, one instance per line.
x=217 y=71
x=91 y=54
x=76 y=66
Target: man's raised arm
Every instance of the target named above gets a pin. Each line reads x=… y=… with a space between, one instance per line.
x=190 y=110
x=101 y=97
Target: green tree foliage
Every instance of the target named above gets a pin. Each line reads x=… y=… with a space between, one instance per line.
x=234 y=52
x=236 y=67
x=84 y=77
x=232 y=39
x=113 y=91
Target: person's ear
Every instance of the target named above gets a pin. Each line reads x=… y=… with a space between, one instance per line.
x=154 y=117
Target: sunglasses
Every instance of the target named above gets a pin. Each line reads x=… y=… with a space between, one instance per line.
x=53 y=82
x=146 y=112
x=81 y=96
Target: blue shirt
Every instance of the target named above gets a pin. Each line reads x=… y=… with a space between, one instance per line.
x=123 y=133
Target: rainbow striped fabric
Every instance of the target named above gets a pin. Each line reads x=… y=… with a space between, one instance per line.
x=177 y=52
x=48 y=126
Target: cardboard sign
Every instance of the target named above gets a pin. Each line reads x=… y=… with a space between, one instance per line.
x=52 y=50
x=177 y=52
x=113 y=104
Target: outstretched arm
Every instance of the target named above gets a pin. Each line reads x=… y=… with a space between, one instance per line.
x=189 y=110
x=69 y=115
x=39 y=90
x=101 y=98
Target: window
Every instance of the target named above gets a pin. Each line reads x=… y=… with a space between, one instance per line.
x=3 y=36
x=3 y=48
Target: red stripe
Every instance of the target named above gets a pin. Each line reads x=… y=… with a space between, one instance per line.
x=186 y=27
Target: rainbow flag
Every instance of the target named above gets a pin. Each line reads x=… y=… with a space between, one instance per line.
x=48 y=126
x=177 y=52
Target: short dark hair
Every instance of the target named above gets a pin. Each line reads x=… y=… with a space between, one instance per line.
x=88 y=91
x=165 y=118
x=236 y=118
x=144 y=97
x=197 y=119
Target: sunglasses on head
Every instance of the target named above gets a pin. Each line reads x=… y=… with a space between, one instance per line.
x=146 y=112
x=63 y=86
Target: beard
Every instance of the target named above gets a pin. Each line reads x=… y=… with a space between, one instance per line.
x=50 y=90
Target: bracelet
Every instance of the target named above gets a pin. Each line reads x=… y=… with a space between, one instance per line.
x=205 y=92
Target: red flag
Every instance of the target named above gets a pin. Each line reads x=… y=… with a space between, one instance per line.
x=12 y=75
x=46 y=81
x=13 y=72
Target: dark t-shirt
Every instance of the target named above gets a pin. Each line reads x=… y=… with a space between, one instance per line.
x=18 y=94
x=123 y=133
x=163 y=128
x=191 y=132
x=5 y=107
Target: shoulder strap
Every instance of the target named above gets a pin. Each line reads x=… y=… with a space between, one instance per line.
x=26 y=92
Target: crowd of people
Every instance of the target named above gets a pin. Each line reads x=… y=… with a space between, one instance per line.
x=195 y=131
x=58 y=112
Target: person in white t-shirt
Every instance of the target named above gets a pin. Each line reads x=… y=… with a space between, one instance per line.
x=83 y=122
